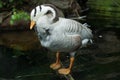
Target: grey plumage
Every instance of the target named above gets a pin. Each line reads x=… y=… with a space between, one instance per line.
x=59 y=34
x=64 y=38
x=64 y=35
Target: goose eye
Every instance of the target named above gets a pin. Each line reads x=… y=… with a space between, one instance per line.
x=48 y=12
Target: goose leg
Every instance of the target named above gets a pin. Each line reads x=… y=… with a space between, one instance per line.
x=66 y=71
x=57 y=64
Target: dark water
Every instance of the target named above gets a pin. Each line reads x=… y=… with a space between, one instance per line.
x=100 y=61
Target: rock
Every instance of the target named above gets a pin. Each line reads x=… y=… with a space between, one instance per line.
x=20 y=40
x=3 y=15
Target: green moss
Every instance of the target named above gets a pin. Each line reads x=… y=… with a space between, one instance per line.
x=19 y=15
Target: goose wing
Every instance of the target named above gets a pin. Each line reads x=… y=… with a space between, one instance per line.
x=73 y=27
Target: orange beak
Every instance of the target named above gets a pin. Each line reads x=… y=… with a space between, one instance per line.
x=32 y=24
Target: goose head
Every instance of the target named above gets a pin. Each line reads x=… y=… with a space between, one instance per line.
x=46 y=11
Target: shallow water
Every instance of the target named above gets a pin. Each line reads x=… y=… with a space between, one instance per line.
x=93 y=63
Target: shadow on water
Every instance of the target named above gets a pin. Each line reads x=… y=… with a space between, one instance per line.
x=19 y=65
x=100 y=61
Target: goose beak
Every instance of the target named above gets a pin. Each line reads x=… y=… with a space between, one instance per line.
x=32 y=24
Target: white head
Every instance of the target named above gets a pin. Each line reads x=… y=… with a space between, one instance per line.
x=43 y=10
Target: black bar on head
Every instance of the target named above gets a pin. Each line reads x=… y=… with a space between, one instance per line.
x=34 y=12
x=40 y=7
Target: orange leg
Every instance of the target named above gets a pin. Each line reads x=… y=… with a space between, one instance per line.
x=57 y=64
x=66 y=71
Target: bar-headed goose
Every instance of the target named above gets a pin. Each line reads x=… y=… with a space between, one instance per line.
x=59 y=34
